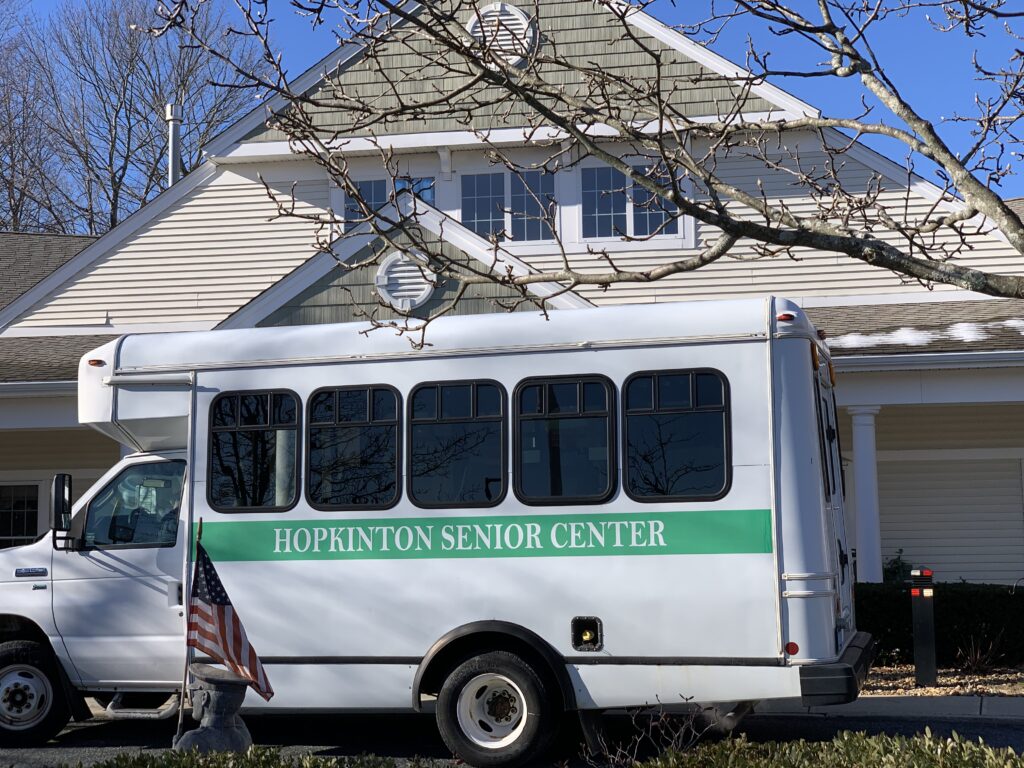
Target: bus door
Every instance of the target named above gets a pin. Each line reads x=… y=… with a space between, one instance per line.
x=833 y=486
x=117 y=597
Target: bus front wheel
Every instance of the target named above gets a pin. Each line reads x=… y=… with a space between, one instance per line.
x=494 y=710
x=33 y=707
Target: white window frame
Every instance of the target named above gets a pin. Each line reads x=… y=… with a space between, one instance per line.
x=370 y=169
x=568 y=212
x=42 y=478
x=684 y=239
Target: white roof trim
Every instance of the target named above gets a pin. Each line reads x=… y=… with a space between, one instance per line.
x=38 y=388
x=103 y=330
x=430 y=219
x=50 y=284
x=787 y=102
x=929 y=361
x=301 y=84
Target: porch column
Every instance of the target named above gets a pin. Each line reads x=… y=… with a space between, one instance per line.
x=865 y=483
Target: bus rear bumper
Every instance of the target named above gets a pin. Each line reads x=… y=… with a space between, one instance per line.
x=839 y=682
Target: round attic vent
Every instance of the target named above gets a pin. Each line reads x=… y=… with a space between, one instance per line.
x=504 y=30
x=403 y=282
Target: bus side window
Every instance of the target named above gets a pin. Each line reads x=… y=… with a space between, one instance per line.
x=564 y=438
x=676 y=436
x=353 y=448
x=457 y=438
x=254 y=451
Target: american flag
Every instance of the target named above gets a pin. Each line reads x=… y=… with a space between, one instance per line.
x=215 y=628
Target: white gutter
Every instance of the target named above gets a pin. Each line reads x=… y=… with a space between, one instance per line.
x=929 y=361
x=38 y=388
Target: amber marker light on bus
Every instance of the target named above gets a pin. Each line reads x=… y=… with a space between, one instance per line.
x=97 y=363
x=814 y=357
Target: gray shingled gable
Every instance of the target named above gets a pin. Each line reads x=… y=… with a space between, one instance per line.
x=574 y=31
x=938 y=326
x=45 y=358
x=26 y=258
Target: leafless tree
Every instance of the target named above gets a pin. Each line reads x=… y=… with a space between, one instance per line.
x=87 y=103
x=26 y=201
x=420 y=65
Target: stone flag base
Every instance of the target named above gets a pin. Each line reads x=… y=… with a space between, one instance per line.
x=216 y=699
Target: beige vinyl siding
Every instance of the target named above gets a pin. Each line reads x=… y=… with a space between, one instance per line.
x=962 y=515
x=212 y=252
x=575 y=32
x=51 y=449
x=743 y=273
x=964 y=519
x=348 y=295
x=942 y=427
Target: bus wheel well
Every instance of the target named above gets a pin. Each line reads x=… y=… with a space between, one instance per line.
x=472 y=640
x=19 y=628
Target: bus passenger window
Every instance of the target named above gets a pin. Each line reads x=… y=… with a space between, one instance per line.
x=677 y=436
x=457 y=445
x=253 y=447
x=353 y=448
x=564 y=440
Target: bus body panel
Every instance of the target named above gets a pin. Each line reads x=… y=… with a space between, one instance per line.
x=698 y=601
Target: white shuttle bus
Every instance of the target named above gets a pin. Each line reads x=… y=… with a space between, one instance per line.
x=614 y=508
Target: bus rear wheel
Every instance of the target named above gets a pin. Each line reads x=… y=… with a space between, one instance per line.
x=495 y=711
x=33 y=707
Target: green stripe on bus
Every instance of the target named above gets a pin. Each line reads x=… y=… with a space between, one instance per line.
x=704 y=532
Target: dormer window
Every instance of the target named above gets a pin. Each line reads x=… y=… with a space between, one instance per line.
x=613 y=207
x=374 y=193
x=519 y=204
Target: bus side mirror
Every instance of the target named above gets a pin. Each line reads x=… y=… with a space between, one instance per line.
x=60 y=510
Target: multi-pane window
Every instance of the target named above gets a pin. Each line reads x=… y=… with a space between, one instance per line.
x=604 y=202
x=614 y=207
x=374 y=194
x=253 y=451
x=140 y=507
x=353 y=448
x=19 y=514
x=483 y=203
x=526 y=215
x=421 y=186
x=564 y=440
x=532 y=205
x=457 y=445
x=652 y=214
x=677 y=443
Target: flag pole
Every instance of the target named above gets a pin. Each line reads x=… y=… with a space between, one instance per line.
x=187 y=607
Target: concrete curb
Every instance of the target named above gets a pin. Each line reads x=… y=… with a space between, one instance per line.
x=993 y=707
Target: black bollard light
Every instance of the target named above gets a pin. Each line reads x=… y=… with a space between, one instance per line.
x=922 y=600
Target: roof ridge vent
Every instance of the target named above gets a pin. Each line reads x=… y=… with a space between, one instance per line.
x=505 y=31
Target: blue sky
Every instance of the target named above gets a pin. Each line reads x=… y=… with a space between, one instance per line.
x=932 y=69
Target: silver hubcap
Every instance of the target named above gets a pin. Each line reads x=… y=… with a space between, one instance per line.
x=492 y=711
x=25 y=696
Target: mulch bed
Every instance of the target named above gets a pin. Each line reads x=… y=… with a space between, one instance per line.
x=899 y=681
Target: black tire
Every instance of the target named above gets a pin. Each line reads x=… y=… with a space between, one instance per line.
x=29 y=680
x=495 y=676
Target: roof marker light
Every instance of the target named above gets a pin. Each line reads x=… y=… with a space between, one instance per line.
x=96 y=363
x=785 y=317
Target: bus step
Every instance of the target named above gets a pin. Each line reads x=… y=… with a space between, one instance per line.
x=116 y=711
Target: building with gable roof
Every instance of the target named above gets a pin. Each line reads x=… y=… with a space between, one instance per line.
x=930 y=380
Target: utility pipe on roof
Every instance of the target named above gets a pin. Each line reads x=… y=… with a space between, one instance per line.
x=173 y=117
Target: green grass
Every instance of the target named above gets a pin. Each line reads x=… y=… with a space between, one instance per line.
x=847 y=750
